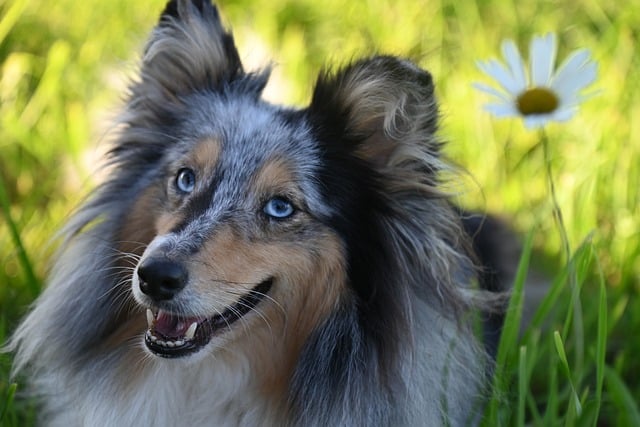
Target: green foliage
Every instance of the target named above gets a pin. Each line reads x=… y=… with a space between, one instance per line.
x=509 y=342
x=64 y=64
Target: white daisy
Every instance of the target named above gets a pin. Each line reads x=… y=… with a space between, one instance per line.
x=544 y=94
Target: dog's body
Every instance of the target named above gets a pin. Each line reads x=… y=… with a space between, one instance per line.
x=248 y=264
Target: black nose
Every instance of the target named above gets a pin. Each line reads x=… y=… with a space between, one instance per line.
x=161 y=278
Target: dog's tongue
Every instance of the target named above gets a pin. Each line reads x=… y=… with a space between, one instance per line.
x=173 y=326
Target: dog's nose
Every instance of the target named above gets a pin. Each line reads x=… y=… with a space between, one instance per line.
x=161 y=278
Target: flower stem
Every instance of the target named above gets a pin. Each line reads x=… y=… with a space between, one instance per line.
x=557 y=212
x=578 y=327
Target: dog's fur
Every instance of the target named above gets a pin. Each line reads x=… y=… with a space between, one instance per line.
x=351 y=304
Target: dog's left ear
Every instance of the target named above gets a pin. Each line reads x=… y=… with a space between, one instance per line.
x=189 y=51
x=384 y=105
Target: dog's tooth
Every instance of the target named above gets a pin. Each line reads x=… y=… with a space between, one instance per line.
x=191 y=332
x=150 y=317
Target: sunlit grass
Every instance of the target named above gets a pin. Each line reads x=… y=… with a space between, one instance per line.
x=62 y=68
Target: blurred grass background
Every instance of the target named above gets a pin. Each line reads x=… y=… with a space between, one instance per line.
x=64 y=65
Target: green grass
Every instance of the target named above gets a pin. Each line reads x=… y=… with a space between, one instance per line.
x=62 y=69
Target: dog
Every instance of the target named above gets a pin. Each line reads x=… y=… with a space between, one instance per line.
x=251 y=264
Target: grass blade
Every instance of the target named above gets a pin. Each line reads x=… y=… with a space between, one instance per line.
x=510 y=331
x=622 y=397
x=574 y=403
x=556 y=289
x=23 y=258
x=8 y=401
x=11 y=16
x=601 y=344
x=522 y=384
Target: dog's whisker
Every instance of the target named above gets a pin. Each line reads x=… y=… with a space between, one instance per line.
x=119 y=289
x=259 y=314
x=262 y=295
x=114 y=270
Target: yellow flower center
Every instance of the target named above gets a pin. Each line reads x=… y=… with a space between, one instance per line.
x=537 y=100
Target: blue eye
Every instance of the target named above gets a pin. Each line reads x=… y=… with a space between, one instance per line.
x=278 y=208
x=186 y=180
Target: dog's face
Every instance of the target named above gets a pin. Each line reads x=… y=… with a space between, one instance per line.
x=238 y=227
x=249 y=220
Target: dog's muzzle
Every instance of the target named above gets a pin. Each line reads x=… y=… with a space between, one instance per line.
x=173 y=335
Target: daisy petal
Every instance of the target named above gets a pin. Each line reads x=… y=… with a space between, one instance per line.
x=542 y=57
x=573 y=62
x=492 y=91
x=501 y=110
x=587 y=96
x=563 y=114
x=516 y=64
x=536 y=121
x=500 y=74
x=574 y=75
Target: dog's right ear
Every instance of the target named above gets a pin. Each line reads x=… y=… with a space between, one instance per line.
x=189 y=51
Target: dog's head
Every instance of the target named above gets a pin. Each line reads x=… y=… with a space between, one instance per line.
x=253 y=219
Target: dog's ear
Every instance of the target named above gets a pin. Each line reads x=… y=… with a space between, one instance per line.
x=189 y=51
x=384 y=105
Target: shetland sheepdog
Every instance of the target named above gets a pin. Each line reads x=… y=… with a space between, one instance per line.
x=249 y=264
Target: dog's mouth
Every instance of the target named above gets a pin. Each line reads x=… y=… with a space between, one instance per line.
x=173 y=336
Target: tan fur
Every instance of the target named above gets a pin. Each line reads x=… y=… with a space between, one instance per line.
x=127 y=334
x=205 y=155
x=137 y=230
x=307 y=289
x=275 y=177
